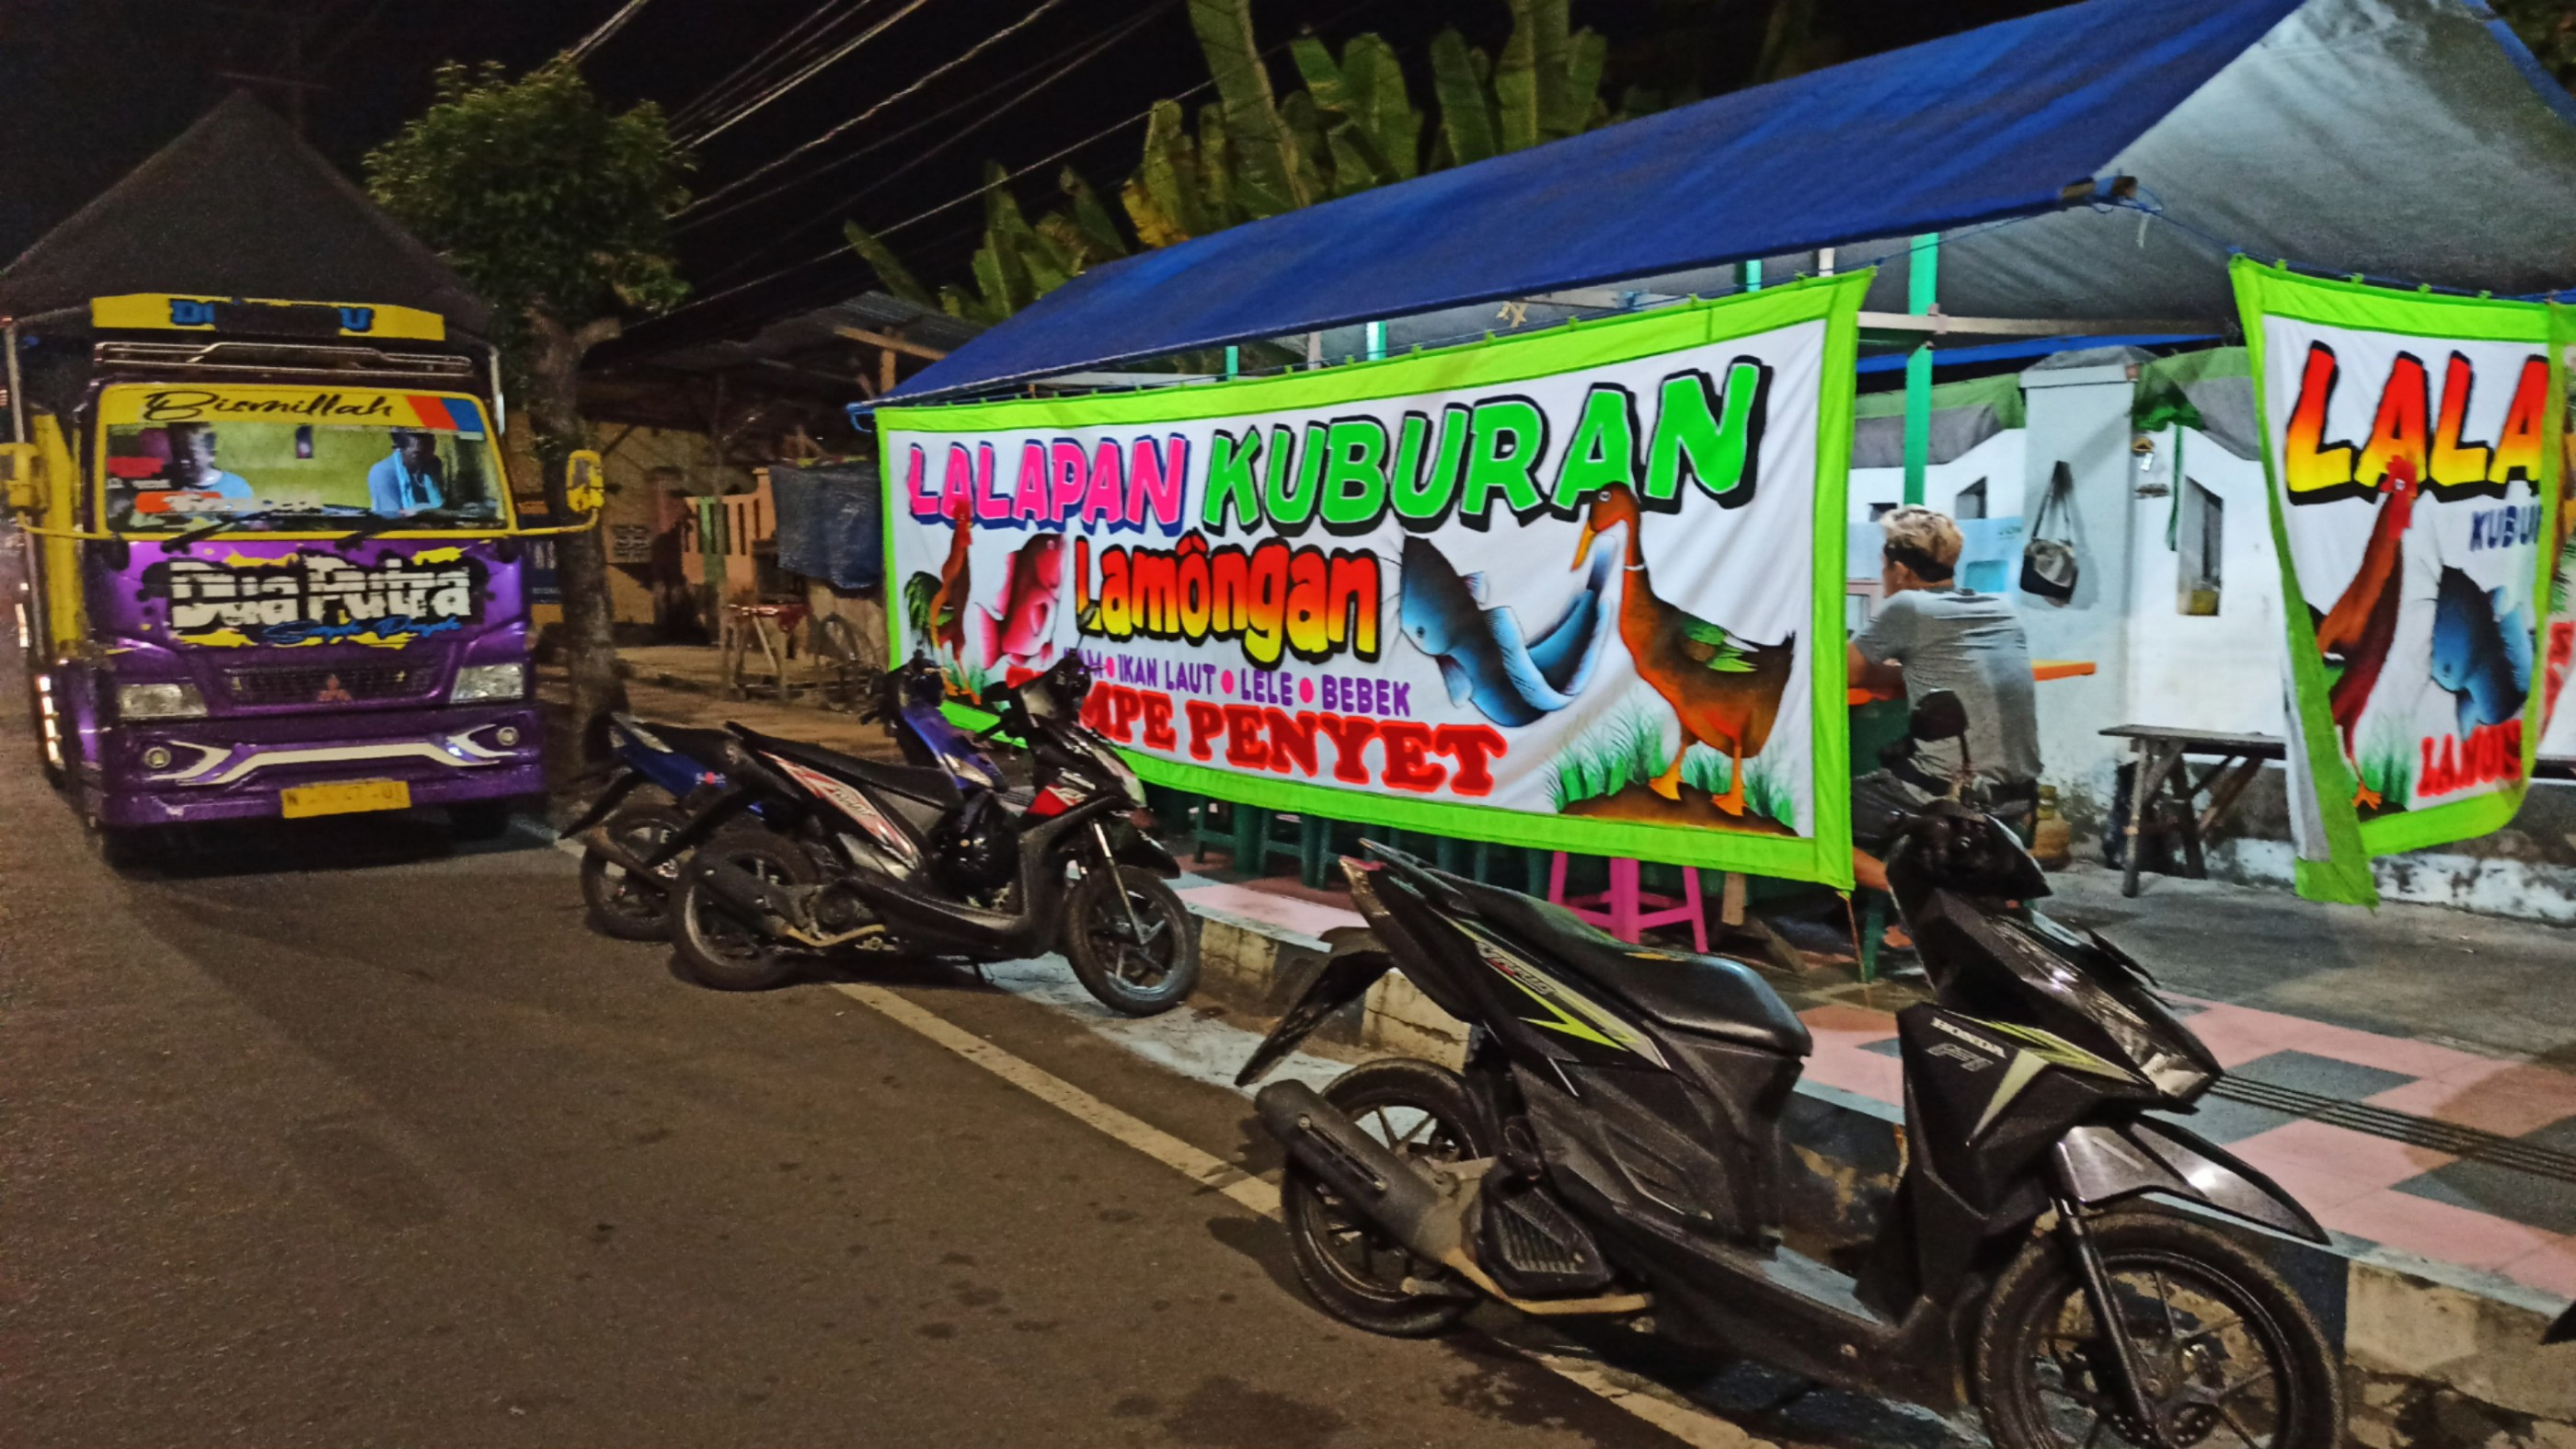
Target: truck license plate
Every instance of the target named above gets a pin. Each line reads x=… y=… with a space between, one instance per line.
x=344 y=799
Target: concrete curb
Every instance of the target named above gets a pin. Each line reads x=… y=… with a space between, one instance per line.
x=2435 y=1354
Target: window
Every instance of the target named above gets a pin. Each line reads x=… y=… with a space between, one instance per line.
x=178 y=458
x=1971 y=502
x=2200 y=540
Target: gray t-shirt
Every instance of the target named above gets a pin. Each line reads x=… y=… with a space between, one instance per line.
x=1970 y=644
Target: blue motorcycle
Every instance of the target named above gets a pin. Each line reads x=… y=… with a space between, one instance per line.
x=634 y=842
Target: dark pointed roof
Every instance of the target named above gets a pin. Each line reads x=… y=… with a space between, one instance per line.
x=237 y=206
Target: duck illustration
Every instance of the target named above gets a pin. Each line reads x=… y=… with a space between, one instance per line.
x=1724 y=690
x=1022 y=631
x=1483 y=656
x=2481 y=651
x=2355 y=634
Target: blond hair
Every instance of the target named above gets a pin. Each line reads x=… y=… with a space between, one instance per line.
x=1926 y=532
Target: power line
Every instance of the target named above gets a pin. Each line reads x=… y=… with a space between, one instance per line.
x=611 y=26
x=1058 y=73
x=922 y=216
x=757 y=103
x=839 y=251
x=972 y=51
x=752 y=73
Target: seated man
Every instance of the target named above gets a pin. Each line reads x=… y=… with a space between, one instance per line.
x=407 y=479
x=1927 y=635
x=193 y=466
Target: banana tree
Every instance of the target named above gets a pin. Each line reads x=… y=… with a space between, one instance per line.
x=1254 y=153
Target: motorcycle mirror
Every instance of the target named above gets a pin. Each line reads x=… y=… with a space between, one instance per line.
x=1939 y=716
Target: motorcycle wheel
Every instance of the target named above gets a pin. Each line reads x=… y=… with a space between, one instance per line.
x=715 y=946
x=2232 y=1355
x=1352 y=1269
x=625 y=906
x=1136 y=965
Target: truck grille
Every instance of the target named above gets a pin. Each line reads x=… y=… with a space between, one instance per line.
x=325 y=684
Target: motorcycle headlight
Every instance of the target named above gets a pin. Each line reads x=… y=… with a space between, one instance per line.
x=159 y=701
x=489 y=681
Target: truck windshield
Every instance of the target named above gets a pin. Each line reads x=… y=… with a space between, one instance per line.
x=295 y=462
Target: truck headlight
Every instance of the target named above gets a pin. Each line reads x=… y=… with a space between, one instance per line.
x=489 y=681
x=159 y=701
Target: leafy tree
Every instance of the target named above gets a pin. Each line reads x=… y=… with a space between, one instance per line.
x=553 y=208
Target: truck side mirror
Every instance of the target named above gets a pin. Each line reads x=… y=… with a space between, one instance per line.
x=24 y=490
x=585 y=482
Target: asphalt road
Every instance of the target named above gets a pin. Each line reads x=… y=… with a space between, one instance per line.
x=343 y=1135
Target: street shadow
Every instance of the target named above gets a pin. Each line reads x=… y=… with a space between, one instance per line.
x=219 y=849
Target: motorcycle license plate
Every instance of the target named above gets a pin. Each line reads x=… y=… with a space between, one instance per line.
x=348 y=798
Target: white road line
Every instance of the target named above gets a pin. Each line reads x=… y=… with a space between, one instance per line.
x=1648 y=1401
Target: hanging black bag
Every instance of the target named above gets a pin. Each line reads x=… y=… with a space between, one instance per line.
x=2048 y=562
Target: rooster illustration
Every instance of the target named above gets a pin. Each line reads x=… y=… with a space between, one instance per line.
x=1724 y=689
x=2355 y=634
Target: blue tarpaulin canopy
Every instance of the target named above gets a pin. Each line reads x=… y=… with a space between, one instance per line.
x=2411 y=137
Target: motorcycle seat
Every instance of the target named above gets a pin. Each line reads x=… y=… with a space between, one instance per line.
x=1702 y=995
x=931 y=787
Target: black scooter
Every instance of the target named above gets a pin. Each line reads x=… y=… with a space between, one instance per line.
x=1611 y=1148
x=933 y=860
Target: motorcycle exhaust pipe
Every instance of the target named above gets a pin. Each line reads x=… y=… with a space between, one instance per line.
x=614 y=851
x=1423 y=1210
x=1402 y=1197
x=730 y=884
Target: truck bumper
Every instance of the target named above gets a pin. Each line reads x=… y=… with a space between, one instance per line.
x=182 y=771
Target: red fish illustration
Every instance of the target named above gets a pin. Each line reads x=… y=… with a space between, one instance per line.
x=1022 y=633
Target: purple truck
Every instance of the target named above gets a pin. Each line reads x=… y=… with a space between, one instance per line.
x=269 y=563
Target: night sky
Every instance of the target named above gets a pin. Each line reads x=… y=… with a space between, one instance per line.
x=91 y=87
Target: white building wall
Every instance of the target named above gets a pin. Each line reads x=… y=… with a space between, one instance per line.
x=2220 y=672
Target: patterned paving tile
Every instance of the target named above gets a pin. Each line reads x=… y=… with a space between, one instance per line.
x=2505 y=1098
x=2442 y=1231
x=2374 y=1162
x=2537 y=1202
x=2223 y=1121
x=2304 y=1071
x=2552 y=1268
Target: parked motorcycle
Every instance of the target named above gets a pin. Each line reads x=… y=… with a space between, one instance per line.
x=662 y=770
x=629 y=861
x=862 y=854
x=1612 y=1148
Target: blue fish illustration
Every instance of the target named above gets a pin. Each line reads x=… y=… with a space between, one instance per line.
x=2481 y=651
x=1483 y=656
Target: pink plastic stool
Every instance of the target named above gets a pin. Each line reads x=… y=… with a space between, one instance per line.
x=1626 y=911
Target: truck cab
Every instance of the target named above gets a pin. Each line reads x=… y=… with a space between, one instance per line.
x=271 y=563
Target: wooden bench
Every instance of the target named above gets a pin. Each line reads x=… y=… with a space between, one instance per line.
x=2161 y=752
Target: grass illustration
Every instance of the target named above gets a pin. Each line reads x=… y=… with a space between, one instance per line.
x=1628 y=750
x=1608 y=758
x=2386 y=766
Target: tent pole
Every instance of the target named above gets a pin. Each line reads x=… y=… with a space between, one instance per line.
x=1753 y=275
x=1376 y=341
x=1233 y=361
x=1922 y=285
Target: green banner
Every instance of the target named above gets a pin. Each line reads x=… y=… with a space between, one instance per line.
x=2412 y=442
x=1580 y=589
